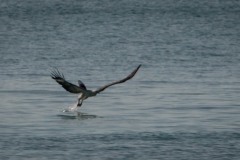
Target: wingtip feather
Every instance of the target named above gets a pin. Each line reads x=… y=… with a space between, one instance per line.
x=55 y=74
x=139 y=66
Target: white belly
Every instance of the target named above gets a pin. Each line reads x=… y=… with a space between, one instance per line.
x=86 y=94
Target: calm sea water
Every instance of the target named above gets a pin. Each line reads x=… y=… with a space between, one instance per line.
x=182 y=104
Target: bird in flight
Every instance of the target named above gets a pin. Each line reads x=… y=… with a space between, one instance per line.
x=81 y=89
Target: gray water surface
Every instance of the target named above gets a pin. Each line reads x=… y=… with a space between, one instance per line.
x=182 y=104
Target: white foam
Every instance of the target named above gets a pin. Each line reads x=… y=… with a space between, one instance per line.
x=71 y=108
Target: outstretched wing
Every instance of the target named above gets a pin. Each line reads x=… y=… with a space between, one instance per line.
x=59 y=78
x=119 y=81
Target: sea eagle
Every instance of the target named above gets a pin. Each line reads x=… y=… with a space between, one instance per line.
x=81 y=89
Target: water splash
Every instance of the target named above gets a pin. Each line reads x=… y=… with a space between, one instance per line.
x=71 y=108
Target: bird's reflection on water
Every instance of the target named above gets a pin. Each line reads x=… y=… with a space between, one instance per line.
x=77 y=115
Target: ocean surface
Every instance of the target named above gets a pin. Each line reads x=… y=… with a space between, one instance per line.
x=182 y=104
